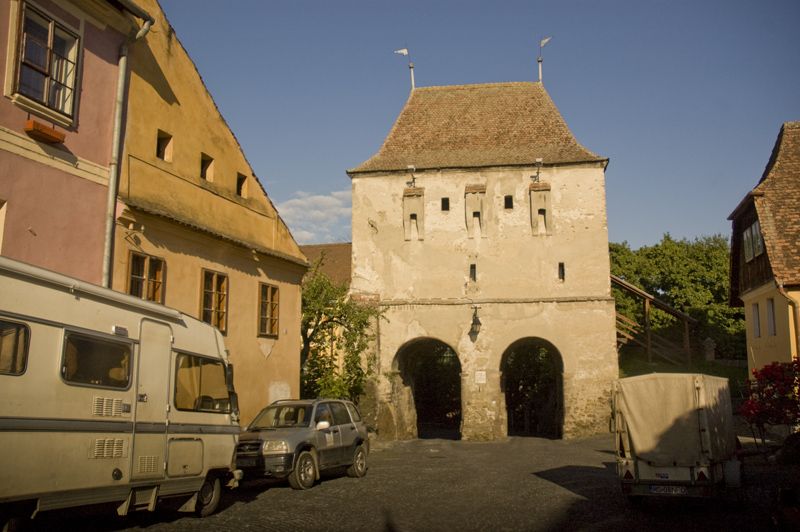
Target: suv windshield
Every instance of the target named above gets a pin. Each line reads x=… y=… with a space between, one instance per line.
x=281 y=416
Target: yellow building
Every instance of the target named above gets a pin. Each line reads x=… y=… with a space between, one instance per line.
x=194 y=227
x=765 y=256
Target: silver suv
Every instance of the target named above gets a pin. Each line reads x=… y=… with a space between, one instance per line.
x=296 y=439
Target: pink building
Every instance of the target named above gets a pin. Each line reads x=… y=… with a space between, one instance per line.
x=60 y=70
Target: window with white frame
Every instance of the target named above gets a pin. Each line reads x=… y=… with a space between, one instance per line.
x=47 y=62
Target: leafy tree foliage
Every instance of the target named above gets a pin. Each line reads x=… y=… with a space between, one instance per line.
x=691 y=276
x=336 y=331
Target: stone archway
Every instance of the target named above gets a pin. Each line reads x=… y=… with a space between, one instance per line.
x=431 y=370
x=532 y=380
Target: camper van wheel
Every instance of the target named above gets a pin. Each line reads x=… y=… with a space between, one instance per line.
x=208 y=496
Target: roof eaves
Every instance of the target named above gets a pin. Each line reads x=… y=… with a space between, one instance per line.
x=148 y=209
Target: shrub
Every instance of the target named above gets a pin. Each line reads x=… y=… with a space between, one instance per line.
x=772 y=395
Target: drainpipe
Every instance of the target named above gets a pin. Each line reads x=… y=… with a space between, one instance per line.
x=796 y=314
x=116 y=148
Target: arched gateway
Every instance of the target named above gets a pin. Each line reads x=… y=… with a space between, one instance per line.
x=431 y=372
x=532 y=381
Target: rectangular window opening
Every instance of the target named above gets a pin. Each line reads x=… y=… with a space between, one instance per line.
x=269 y=310
x=473 y=272
x=508 y=202
x=445 y=204
x=206 y=167
x=756 y=321
x=241 y=184
x=215 y=300
x=146 y=277
x=562 y=274
x=47 y=62
x=164 y=146
x=542 y=221
x=771 y=328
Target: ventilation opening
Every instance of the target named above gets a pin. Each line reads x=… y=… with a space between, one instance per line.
x=508 y=202
x=164 y=146
x=561 y=272
x=241 y=182
x=473 y=272
x=445 y=204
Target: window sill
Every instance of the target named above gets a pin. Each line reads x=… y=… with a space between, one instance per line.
x=45 y=112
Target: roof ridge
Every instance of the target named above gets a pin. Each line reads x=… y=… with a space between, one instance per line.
x=467 y=86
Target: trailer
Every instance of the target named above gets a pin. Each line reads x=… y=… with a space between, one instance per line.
x=674 y=436
x=105 y=398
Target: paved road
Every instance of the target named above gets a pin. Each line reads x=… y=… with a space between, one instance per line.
x=433 y=485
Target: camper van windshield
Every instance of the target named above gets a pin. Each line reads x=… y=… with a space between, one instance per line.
x=200 y=385
x=96 y=361
x=282 y=416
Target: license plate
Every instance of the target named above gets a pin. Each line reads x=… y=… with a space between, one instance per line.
x=669 y=490
x=245 y=462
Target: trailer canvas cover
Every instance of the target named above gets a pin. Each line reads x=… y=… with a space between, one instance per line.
x=665 y=414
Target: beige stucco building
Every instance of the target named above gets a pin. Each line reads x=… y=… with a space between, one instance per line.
x=765 y=255
x=194 y=227
x=480 y=228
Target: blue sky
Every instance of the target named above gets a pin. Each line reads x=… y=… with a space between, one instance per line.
x=686 y=98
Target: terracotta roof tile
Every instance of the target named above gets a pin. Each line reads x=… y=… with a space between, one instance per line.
x=779 y=207
x=336 y=264
x=464 y=126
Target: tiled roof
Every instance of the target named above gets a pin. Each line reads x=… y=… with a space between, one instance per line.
x=777 y=201
x=465 y=126
x=336 y=264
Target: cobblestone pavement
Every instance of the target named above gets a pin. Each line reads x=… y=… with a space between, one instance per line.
x=432 y=485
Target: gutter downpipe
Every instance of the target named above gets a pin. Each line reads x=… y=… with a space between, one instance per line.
x=116 y=147
x=796 y=314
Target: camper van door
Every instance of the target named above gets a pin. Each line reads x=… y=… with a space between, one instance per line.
x=152 y=400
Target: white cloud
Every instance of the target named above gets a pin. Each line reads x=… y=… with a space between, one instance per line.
x=318 y=219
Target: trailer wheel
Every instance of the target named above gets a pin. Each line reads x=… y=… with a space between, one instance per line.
x=208 y=496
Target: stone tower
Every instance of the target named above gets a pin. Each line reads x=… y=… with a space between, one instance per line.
x=480 y=228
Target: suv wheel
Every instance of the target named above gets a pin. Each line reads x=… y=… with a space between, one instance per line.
x=304 y=473
x=359 y=466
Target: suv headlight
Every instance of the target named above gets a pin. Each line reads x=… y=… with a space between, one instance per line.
x=275 y=447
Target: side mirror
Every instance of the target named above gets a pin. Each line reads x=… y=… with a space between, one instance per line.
x=322 y=425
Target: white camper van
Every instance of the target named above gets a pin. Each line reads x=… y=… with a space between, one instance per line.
x=108 y=398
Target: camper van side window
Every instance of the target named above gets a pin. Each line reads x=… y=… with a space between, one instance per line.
x=200 y=385
x=13 y=347
x=96 y=362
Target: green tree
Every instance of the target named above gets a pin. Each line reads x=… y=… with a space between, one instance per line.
x=336 y=331
x=691 y=276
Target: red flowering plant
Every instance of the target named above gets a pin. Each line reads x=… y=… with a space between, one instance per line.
x=771 y=396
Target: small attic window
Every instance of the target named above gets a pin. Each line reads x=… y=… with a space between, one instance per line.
x=508 y=202
x=164 y=146
x=241 y=185
x=206 y=167
x=445 y=204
